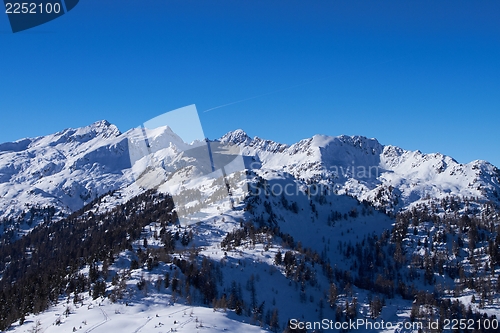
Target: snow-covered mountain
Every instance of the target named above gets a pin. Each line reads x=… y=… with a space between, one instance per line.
x=70 y=168
x=337 y=228
x=387 y=176
x=65 y=169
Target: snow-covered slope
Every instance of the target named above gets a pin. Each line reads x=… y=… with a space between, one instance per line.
x=288 y=244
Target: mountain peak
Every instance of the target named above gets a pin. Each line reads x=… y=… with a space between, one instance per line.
x=103 y=128
x=99 y=129
x=238 y=136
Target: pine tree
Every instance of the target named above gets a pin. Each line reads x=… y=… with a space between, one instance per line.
x=274 y=323
x=376 y=307
x=332 y=295
x=278 y=258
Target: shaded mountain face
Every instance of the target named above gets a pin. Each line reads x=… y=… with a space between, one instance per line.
x=70 y=168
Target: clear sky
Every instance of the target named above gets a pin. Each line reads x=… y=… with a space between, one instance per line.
x=416 y=74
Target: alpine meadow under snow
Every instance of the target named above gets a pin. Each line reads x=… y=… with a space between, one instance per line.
x=142 y=232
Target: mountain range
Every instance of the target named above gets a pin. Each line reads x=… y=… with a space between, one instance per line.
x=70 y=168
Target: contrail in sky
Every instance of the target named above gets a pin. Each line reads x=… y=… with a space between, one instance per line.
x=282 y=89
x=261 y=95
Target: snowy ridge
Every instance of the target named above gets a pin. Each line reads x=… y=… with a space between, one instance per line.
x=69 y=168
x=363 y=167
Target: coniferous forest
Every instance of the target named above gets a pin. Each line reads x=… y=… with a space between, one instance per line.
x=431 y=254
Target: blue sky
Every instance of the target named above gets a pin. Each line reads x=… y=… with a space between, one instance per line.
x=417 y=74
